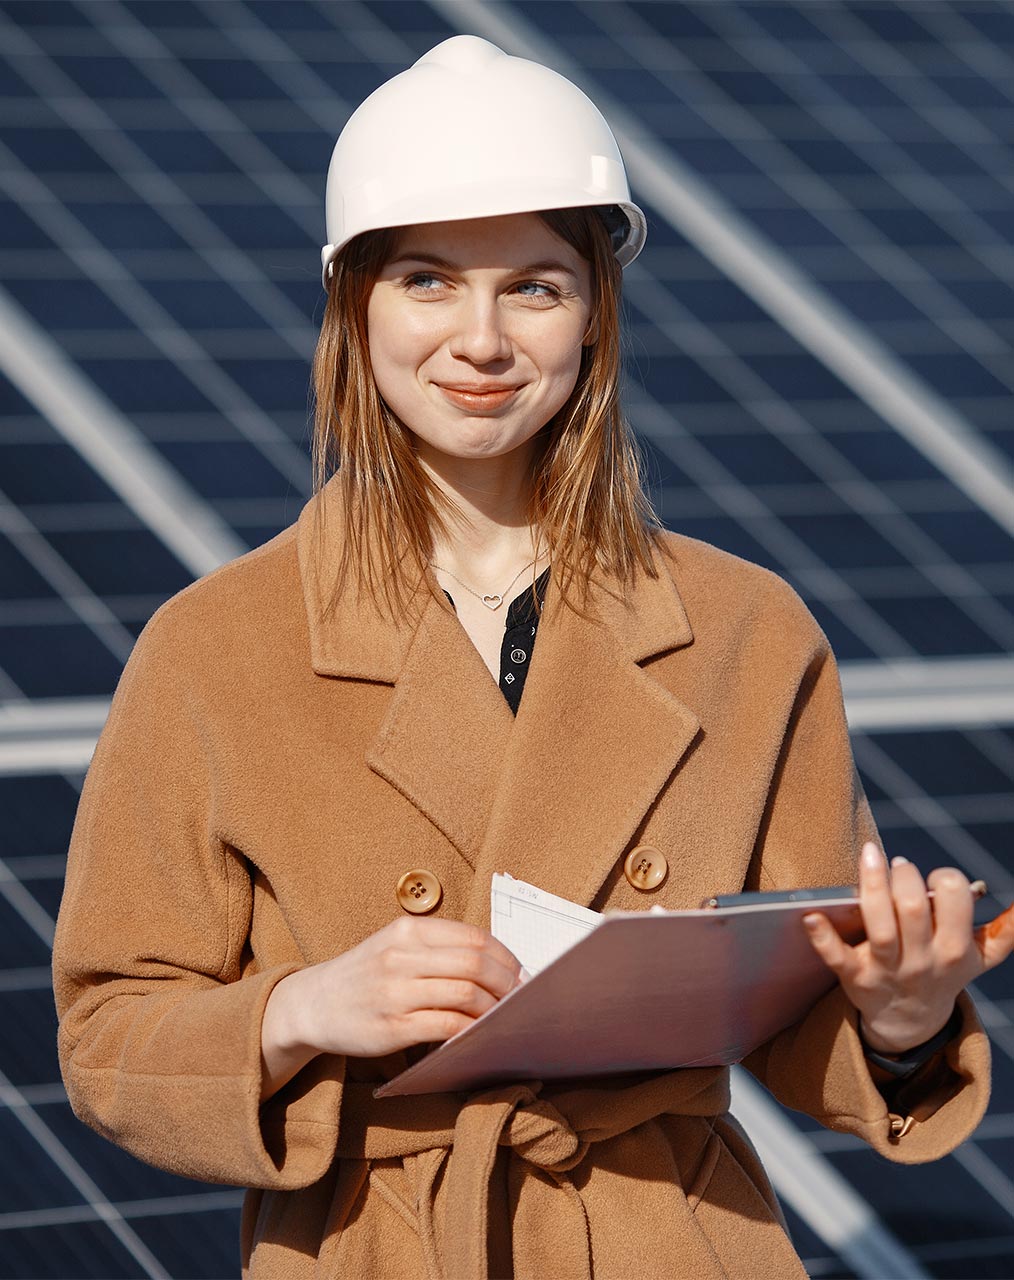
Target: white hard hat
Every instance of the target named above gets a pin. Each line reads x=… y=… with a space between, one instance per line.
x=470 y=132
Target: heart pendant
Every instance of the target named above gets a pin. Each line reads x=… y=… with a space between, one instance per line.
x=492 y=602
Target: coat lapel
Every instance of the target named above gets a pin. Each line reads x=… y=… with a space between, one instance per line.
x=442 y=740
x=596 y=739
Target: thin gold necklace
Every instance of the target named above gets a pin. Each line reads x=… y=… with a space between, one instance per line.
x=492 y=600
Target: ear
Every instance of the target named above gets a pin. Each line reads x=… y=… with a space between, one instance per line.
x=591 y=334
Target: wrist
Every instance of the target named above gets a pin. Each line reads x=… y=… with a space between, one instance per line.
x=902 y=1044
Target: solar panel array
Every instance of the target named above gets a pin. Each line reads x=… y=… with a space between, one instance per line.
x=161 y=177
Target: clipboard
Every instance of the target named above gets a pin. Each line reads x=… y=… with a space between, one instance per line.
x=645 y=990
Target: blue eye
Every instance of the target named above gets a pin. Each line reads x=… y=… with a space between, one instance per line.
x=420 y=279
x=548 y=290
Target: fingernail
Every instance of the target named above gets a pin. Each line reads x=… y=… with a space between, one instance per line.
x=899 y=861
x=811 y=922
x=872 y=856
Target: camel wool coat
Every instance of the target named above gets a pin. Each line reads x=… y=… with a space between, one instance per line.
x=265 y=778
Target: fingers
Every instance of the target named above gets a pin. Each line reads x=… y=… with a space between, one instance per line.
x=914 y=916
x=481 y=969
x=952 y=916
x=829 y=945
x=437 y=933
x=877 y=906
x=996 y=939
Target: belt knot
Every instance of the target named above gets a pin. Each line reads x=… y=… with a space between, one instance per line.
x=541 y=1134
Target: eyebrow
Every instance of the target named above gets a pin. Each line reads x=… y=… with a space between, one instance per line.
x=433 y=260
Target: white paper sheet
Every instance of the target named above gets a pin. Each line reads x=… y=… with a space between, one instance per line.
x=534 y=925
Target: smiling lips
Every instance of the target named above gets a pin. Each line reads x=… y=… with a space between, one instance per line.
x=478 y=398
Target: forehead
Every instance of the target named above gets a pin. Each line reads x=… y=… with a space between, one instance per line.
x=508 y=240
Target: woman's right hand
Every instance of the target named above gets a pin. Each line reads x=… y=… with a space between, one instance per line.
x=414 y=981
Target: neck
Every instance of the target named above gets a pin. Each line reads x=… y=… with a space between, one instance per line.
x=491 y=538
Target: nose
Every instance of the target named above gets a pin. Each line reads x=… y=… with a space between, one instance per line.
x=481 y=335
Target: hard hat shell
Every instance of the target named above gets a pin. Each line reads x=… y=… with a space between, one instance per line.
x=470 y=132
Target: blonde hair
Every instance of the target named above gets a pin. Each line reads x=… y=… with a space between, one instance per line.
x=586 y=495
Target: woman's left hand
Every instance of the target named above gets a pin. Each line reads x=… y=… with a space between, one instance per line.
x=917 y=955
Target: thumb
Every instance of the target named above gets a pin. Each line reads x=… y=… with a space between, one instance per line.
x=995 y=940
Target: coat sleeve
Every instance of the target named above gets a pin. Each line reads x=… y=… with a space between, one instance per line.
x=159 y=1003
x=815 y=822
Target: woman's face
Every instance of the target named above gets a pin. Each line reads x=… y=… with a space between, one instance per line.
x=475 y=331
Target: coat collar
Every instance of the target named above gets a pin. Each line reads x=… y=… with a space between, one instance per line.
x=358 y=641
x=554 y=796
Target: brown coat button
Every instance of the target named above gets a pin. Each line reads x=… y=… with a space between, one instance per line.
x=419 y=892
x=645 y=868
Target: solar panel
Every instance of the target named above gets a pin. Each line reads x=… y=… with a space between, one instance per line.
x=161 y=176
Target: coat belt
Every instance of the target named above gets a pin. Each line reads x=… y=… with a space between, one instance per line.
x=550 y=1133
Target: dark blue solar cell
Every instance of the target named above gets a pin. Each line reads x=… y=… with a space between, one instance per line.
x=727 y=533
x=865 y=91
x=54 y=13
x=750 y=88
x=786 y=21
x=1001 y=220
x=226 y=469
x=54 y=151
x=19 y=230
x=13 y=85
x=20 y=946
x=846 y=645
x=677 y=21
x=38 y=814
x=798 y=377
x=67 y=304
x=182 y=151
x=716 y=156
x=883 y=456
x=119 y=1175
x=935 y=626
x=291 y=15
x=126 y=226
x=169 y=13
x=909 y=227
x=556 y=17
x=67 y=661
x=49 y=473
x=894 y=24
x=874 y=300
x=792 y=228
x=121 y=562
x=205 y=304
x=968 y=535
x=236 y=78
x=660 y=470
x=19 y=580
x=409 y=16
x=944 y=763
x=987 y=299
x=86 y=1250
x=12 y=401
x=194 y=1245
x=829 y=156
x=994 y=21
x=679 y=379
x=255 y=535
x=718 y=301
x=759 y=458
x=973 y=92
x=844 y=540
x=113 y=77
x=47 y=892
x=29 y=1056
x=941 y=157
x=632 y=85
x=351 y=82
x=273 y=384
x=957 y=374
x=259 y=227
x=146 y=385
x=303 y=150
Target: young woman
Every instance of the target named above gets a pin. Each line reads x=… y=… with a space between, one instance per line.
x=476 y=652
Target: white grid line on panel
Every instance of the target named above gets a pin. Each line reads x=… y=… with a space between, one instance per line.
x=209 y=1202
x=911 y=798
x=860 y=495
x=865 y=240
x=968 y=228
x=104 y=1210
x=773 y=281
x=127 y=463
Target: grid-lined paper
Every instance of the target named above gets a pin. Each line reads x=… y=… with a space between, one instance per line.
x=536 y=926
